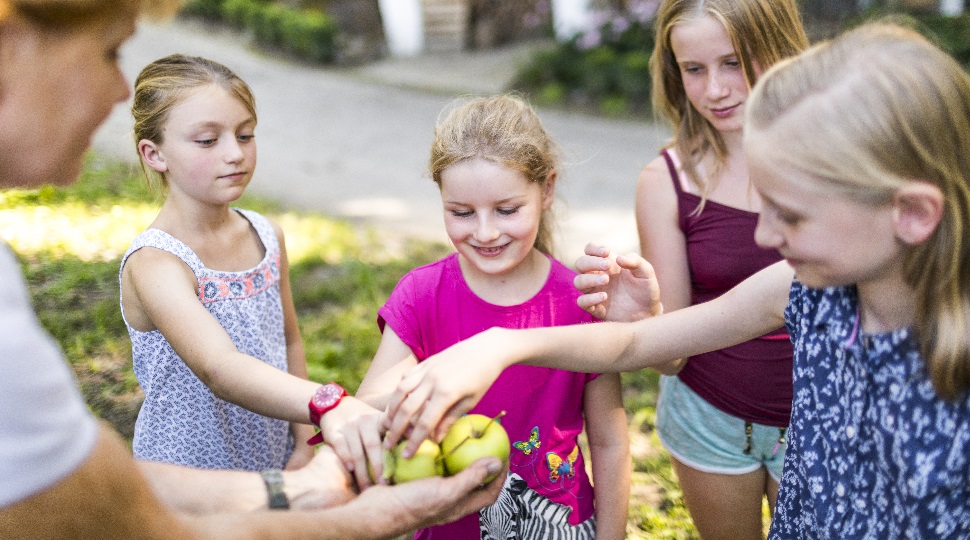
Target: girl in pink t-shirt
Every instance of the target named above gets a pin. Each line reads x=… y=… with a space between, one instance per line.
x=496 y=168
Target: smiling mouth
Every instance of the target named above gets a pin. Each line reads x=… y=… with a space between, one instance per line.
x=724 y=112
x=490 y=251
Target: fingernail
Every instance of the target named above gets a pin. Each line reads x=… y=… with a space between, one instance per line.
x=493 y=467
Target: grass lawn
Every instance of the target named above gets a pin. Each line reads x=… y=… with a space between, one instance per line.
x=70 y=242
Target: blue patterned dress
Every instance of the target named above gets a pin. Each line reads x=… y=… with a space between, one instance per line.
x=181 y=420
x=873 y=451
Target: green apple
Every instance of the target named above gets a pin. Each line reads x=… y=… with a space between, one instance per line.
x=471 y=438
x=425 y=463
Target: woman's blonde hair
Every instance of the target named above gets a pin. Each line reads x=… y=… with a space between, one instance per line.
x=762 y=32
x=163 y=84
x=503 y=129
x=866 y=113
x=64 y=14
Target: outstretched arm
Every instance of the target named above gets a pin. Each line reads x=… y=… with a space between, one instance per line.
x=108 y=498
x=445 y=386
x=322 y=483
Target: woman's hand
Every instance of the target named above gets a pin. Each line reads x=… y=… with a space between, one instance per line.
x=617 y=288
x=353 y=429
x=436 y=392
x=322 y=483
x=390 y=511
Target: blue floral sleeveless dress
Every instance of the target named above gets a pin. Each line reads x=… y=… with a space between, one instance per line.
x=874 y=452
x=181 y=420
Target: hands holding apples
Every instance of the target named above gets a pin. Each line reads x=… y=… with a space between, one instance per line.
x=353 y=430
x=470 y=439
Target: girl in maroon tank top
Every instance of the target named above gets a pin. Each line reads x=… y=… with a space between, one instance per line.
x=696 y=216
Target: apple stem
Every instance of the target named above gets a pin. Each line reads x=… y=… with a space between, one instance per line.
x=484 y=429
x=474 y=434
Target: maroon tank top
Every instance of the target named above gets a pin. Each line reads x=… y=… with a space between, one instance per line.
x=751 y=380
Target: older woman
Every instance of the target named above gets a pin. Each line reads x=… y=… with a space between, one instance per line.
x=62 y=474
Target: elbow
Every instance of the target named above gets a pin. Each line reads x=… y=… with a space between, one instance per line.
x=671 y=368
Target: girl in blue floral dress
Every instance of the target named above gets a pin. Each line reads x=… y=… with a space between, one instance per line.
x=204 y=290
x=860 y=151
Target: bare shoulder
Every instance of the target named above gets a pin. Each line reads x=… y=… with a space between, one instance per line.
x=655 y=175
x=150 y=260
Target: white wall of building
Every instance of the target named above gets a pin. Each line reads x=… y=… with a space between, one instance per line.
x=403 y=26
x=570 y=17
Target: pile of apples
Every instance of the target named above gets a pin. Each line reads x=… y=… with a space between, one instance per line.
x=469 y=439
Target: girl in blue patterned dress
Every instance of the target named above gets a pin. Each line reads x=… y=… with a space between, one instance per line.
x=204 y=291
x=860 y=151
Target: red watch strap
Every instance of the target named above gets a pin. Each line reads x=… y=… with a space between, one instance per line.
x=324 y=399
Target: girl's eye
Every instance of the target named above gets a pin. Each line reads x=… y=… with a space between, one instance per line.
x=205 y=142
x=461 y=213
x=788 y=218
x=508 y=211
x=692 y=69
x=245 y=138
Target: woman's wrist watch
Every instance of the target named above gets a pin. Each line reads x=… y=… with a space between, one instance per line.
x=324 y=399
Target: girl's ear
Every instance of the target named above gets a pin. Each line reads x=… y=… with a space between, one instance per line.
x=148 y=151
x=549 y=193
x=918 y=209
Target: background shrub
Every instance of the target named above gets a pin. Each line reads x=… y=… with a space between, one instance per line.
x=308 y=34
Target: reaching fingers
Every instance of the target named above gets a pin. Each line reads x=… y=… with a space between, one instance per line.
x=371 y=440
x=591 y=264
x=596 y=250
x=591 y=301
x=590 y=282
x=405 y=386
x=636 y=264
x=401 y=419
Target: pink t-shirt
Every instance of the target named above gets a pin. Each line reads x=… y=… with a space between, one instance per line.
x=432 y=308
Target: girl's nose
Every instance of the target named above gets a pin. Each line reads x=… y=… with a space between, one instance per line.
x=486 y=231
x=766 y=234
x=234 y=152
x=715 y=86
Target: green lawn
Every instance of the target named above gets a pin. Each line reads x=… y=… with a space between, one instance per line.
x=70 y=242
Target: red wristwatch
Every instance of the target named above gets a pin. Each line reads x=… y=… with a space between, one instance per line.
x=325 y=398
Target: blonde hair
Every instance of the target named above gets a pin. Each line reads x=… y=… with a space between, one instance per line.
x=65 y=14
x=762 y=32
x=163 y=84
x=503 y=129
x=866 y=113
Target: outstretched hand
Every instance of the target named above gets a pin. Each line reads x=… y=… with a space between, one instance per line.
x=322 y=483
x=617 y=288
x=436 y=392
x=427 y=502
x=354 y=430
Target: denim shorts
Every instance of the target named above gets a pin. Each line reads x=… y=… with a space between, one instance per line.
x=707 y=439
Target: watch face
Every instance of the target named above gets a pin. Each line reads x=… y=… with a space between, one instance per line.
x=327 y=395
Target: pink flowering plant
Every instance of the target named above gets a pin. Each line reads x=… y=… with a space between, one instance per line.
x=605 y=66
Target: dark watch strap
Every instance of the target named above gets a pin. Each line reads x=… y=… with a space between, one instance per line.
x=274 y=488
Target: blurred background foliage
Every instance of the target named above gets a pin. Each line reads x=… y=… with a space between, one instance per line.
x=603 y=69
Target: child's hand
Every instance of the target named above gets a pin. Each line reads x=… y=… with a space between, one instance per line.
x=436 y=392
x=617 y=288
x=354 y=430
